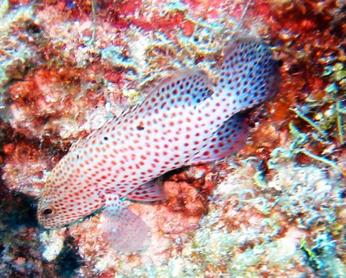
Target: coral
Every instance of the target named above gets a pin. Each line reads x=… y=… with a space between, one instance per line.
x=311 y=197
x=57 y=99
x=53 y=243
x=17 y=53
x=188 y=190
x=182 y=196
x=25 y=168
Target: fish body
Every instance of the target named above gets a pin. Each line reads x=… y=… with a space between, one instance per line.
x=184 y=120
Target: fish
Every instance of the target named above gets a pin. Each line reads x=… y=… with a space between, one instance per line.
x=184 y=120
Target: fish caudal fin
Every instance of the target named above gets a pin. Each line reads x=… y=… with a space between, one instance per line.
x=248 y=76
x=228 y=139
x=123 y=230
x=148 y=192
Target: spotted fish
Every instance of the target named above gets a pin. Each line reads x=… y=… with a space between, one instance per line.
x=184 y=120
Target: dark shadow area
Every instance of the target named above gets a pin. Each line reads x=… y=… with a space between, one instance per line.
x=68 y=261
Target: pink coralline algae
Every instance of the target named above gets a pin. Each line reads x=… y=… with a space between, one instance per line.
x=274 y=209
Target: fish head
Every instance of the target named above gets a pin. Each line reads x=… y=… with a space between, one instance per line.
x=61 y=204
x=49 y=210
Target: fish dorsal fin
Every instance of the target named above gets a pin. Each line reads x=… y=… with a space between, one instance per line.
x=184 y=88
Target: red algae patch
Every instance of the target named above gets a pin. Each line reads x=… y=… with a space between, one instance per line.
x=25 y=168
x=188 y=191
x=183 y=197
x=48 y=104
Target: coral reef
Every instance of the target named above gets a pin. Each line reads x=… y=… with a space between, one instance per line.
x=276 y=209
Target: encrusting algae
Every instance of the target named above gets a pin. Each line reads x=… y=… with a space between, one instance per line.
x=69 y=69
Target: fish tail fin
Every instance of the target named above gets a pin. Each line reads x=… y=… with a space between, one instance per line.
x=247 y=77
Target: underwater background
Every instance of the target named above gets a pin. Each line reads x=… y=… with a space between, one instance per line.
x=274 y=209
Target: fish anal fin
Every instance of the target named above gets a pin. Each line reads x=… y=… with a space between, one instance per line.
x=228 y=139
x=148 y=192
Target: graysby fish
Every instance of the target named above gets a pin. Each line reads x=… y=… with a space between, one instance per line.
x=184 y=120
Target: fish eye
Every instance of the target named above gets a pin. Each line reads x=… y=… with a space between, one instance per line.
x=47 y=211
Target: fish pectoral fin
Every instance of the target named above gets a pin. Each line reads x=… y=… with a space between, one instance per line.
x=123 y=230
x=228 y=139
x=114 y=205
x=148 y=192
